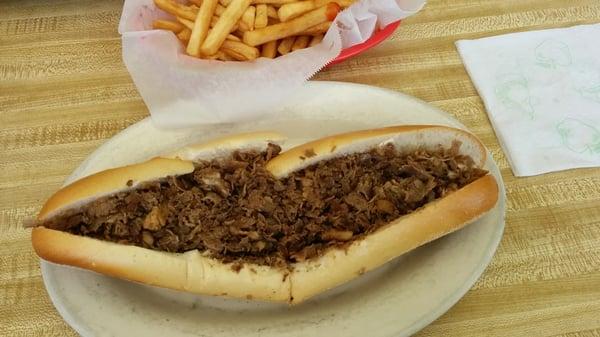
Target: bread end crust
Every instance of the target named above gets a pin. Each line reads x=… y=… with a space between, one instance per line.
x=112 y=181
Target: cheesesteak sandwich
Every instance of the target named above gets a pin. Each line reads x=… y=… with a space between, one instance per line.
x=237 y=217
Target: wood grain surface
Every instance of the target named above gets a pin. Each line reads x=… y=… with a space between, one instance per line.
x=64 y=90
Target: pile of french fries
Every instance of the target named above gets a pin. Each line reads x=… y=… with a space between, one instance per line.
x=243 y=30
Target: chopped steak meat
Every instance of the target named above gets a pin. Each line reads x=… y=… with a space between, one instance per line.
x=235 y=210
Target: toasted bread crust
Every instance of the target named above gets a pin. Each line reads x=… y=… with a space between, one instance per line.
x=212 y=148
x=407 y=137
x=189 y=271
x=112 y=181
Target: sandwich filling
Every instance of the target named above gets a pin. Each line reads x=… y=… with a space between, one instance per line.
x=233 y=209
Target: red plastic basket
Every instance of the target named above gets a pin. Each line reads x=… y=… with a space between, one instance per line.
x=374 y=40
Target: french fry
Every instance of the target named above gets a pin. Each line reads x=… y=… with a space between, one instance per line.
x=222 y=56
x=248 y=17
x=286 y=45
x=223 y=27
x=184 y=35
x=173 y=26
x=238 y=33
x=342 y=3
x=292 y=27
x=269 y=49
x=232 y=30
x=239 y=50
x=261 y=20
x=316 y=40
x=219 y=10
x=243 y=26
x=318 y=29
x=272 y=12
x=213 y=22
x=219 y=55
x=200 y=27
x=273 y=2
x=301 y=42
x=187 y=23
x=211 y=57
x=293 y=10
x=232 y=37
x=176 y=9
x=234 y=55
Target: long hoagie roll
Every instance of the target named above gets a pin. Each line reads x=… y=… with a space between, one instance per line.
x=234 y=217
x=189 y=271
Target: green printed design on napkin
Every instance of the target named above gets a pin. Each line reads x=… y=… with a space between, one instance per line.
x=552 y=54
x=579 y=136
x=513 y=92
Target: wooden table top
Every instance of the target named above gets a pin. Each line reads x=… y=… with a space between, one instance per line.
x=64 y=90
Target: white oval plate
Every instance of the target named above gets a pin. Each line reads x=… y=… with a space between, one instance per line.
x=396 y=300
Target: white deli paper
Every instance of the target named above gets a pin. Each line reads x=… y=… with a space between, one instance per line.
x=182 y=91
x=541 y=90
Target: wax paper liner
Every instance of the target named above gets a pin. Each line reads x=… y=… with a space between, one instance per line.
x=182 y=91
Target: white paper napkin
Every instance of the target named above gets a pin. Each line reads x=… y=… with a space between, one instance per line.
x=182 y=91
x=541 y=90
